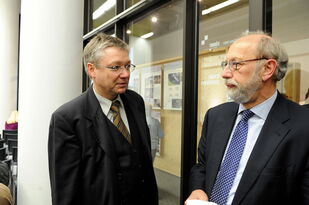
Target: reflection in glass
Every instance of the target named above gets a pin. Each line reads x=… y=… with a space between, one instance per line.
x=217 y=30
x=156 y=47
x=103 y=10
x=293 y=32
x=130 y=3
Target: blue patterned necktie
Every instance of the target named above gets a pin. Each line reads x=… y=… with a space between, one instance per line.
x=229 y=166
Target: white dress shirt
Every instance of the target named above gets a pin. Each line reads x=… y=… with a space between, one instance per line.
x=255 y=125
x=106 y=108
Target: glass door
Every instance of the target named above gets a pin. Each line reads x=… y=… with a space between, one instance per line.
x=155 y=41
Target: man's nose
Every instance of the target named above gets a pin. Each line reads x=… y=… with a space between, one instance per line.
x=124 y=73
x=226 y=73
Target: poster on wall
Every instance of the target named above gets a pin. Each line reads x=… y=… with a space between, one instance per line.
x=173 y=85
x=151 y=85
x=212 y=89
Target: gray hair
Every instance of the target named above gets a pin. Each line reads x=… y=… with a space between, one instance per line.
x=94 y=50
x=270 y=48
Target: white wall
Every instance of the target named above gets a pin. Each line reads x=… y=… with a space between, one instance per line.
x=9 y=20
x=50 y=74
x=141 y=50
x=298 y=53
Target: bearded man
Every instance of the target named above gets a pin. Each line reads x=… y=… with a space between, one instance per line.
x=254 y=150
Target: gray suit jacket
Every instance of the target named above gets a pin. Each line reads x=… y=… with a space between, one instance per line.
x=277 y=171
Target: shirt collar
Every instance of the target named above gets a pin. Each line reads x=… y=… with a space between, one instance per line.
x=262 y=109
x=106 y=103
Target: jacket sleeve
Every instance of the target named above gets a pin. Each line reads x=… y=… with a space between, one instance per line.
x=64 y=154
x=305 y=185
x=197 y=177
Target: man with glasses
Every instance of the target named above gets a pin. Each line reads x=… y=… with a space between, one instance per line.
x=255 y=150
x=99 y=143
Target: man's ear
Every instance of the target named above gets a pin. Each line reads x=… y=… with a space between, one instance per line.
x=91 y=70
x=269 y=69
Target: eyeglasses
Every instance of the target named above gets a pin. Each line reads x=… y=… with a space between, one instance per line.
x=118 y=68
x=233 y=65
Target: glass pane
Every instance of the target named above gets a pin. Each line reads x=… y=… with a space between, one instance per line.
x=291 y=27
x=155 y=42
x=217 y=30
x=130 y=3
x=103 y=10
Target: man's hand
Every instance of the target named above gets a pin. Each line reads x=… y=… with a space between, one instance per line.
x=197 y=194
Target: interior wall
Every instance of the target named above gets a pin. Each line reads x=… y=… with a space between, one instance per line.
x=168 y=45
x=291 y=27
x=141 y=50
x=221 y=29
x=50 y=74
x=299 y=55
x=9 y=29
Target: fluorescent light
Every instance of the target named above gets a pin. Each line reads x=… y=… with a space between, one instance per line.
x=147 y=35
x=154 y=19
x=103 y=8
x=219 y=6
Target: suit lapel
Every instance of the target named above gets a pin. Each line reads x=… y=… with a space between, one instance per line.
x=138 y=115
x=97 y=124
x=272 y=133
x=226 y=120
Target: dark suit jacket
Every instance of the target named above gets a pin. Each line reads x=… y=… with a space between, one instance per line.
x=306 y=105
x=277 y=171
x=82 y=158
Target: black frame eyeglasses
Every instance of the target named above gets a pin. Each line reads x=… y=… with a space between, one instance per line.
x=233 y=65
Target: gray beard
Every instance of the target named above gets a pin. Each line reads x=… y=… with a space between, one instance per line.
x=239 y=95
x=243 y=93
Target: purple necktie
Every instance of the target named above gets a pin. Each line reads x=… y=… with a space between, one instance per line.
x=229 y=166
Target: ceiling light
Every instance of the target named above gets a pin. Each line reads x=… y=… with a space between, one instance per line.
x=219 y=6
x=154 y=19
x=103 y=8
x=147 y=35
x=129 y=31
